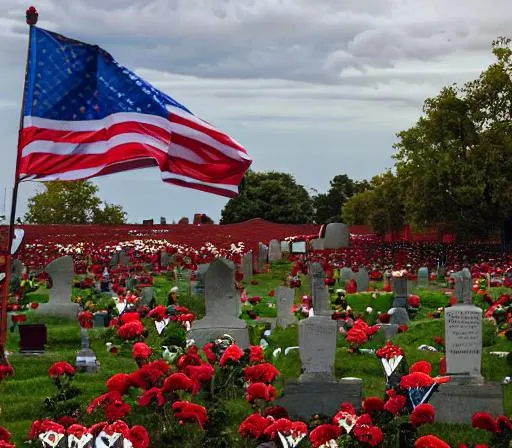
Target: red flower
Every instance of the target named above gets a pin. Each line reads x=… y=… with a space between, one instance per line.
x=430 y=441
x=117 y=410
x=395 y=404
x=67 y=421
x=260 y=391
x=149 y=374
x=4 y=434
x=414 y=301
x=152 y=394
x=369 y=434
x=34 y=305
x=120 y=382
x=323 y=434
x=356 y=336
x=416 y=379
x=61 y=368
x=186 y=411
x=158 y=313
x=403 y=328
x=442 y=366
x=5 y=371
x=254 y=426
x=373 y=404
x=177 y=381
x=276 y=412
x=255 y=354
x=129 y=317
x=77 y=430
x=423 y=414
x=208 y=351
x=504 y=423
x=131 y=330
x=233 y=353
x=265 y=373
x=139 y=437
x=421 y=366
x=486 y=421
x=389 y=351
x=439 y=340
x=282 y=425
x=85 y=319
x=4 y=444
x=141 y=351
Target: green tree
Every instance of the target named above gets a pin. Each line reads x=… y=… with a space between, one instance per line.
x=328 y=205
x=273 y=196
x=455 y=164
x=72 y=203
x=380 y=206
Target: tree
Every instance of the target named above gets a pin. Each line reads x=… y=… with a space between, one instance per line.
x=455 y=164
x=273 y=196
x=72 y=203
x=328 y=205
x=380 y=206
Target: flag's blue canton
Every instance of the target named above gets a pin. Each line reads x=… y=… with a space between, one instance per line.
x=71 y=80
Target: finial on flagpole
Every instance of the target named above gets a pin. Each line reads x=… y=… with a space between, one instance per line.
x=32 y=15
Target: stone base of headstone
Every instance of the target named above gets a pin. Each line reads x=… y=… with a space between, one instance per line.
x=207 y=330
x=66 y=309
x=389 y=330
x=86 y=361
x=456 y=403
x=303 y=399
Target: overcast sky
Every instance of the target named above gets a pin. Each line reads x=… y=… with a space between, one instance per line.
x=311 y=87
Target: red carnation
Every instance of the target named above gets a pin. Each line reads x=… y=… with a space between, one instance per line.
x=129 y=317
x=265 y=373
x=141 y=351
x=131 y=330
x=255 y=354
x=323 y=434
x=139 y=437
x=5 y=371
x=373 y=404
x=233 y=353
x=421 y=366
x=282 y=425
x=260 y=391
x=486 y=421
x=85 y=318
x=423 y=414
x=61 y=368
x=414 y=301
x=120 y=382
x=4 y=435
x=395 y=404
x=254 y=426
x=185 y=411
x=208 y=351
x=177 y=381
x=430 y=441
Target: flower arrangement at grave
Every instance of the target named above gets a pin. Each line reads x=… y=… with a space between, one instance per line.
x=359 y=334
x=19 y=301
x=500 y=428
x=393 y=361
x=64 y=403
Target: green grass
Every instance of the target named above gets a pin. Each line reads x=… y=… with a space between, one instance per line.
x=21 y=397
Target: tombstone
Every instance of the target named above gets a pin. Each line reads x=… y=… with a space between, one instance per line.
x=318 y=244
x=124 y=259
x=285 y=247
x=274 y=253
x=86 y=359
x=346 y=274
x=147 y=296
x=317 y=348
x=247 y=267
x=399 y=316
x=200 y=273
x=423 y=276
x=389 y=330
x=466 y=393
x=399 y=285
x=320 y=291
x=59 y=303
x=165 y=259
x=336 y=236
x=262 y=259
x=299 y=247
x=222 y=304
x=284 y=302
x=362 y=280
x=114 y=261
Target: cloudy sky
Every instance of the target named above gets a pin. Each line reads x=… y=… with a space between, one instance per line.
x=312 y=87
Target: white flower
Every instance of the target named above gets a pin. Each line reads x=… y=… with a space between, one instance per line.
x=369 y=310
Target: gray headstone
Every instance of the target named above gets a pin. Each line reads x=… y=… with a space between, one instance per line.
x=285 y=247
x=222 y=304
x=320 y=292
x=86 y=359
x=399 y=286
x=124 y=259
x=165 y=259
x=146 y=297
x=61 y=272
x=336 y=236
x=317 y=342
x=262 y=257
x=362 y=280
x=463 y=335
x=318 y=244
x=200 y=273
x=423 y=277
x=114 y=261
x=247 y=267
x=284 y=302
x=346 y=274
x=274 y=253
x=389 y=330
x=399 y=316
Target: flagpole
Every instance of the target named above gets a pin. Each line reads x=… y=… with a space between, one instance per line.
x=31 y=19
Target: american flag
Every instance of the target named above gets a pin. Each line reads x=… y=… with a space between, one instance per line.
x=86 y=115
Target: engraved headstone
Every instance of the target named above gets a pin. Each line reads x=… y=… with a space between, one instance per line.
x=262 y=258
x=222 y=304
x=399 y=285
x=336 y=236
x=285 y=298
x=247 y=267
x=274 y=253
x=423 y=277
x=59 y=303
x=362 y=280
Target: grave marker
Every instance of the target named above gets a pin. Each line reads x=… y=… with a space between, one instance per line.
x=285 y=298
x=362 y=280
x=274 y=253
x=247 y=266
x=336 y=236
x=423 y=276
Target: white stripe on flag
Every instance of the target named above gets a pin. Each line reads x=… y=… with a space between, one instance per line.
x=167 y=175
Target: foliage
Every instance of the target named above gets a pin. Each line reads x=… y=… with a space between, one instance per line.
x=328 y=205
x=454 y=165
x=273 y=196
x=380 y=206
x=72 y=203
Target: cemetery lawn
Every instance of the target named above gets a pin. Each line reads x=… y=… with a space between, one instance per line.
x=21 y=397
